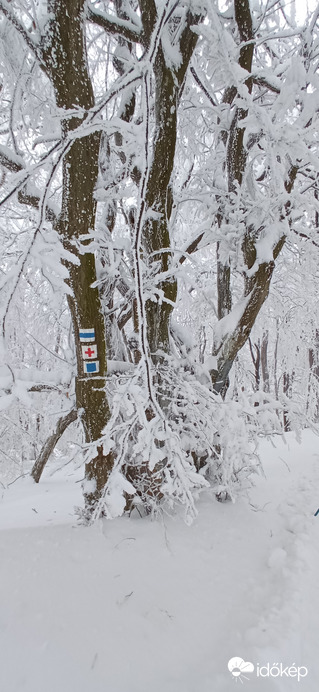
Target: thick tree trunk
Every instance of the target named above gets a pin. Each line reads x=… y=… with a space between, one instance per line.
x=155 y=230
x=66 y=62
x=256 y=285
x=236 y=157
x=158 y=197
x=236 y=154
x=257 y=289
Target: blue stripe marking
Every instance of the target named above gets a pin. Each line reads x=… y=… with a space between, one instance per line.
x=87 y=335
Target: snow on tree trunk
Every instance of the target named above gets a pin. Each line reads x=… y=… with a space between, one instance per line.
x=66 y=64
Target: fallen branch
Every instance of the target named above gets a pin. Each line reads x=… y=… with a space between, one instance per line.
x=51 y=442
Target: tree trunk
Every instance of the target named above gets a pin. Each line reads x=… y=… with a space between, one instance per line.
x=236 y=154
x=158 y=196
x=264 y=362
x=66 y=63
x=257 y=289
x=287 y=381
x=255 y=356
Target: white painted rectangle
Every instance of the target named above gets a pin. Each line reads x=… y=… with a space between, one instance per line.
x=91 y=367
x=87 y=335
x=89 y=352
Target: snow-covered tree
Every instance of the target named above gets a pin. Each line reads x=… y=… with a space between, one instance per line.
x=158 y=158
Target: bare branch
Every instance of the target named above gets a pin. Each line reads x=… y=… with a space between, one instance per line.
x=149 y=16
x=44 y=388
x=306 y=237
x=192 y=247
x=127 y=311
x=7 y=12
x=15 y=164
x=34 y=201
x=23 y=180
x=42 y=210
x=203 y=88
x=262 y=81
x=114 y=25
x=10 y=161
x=46 y=348
x=315 y=17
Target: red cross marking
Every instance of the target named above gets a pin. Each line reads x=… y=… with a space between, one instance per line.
x=89 y=352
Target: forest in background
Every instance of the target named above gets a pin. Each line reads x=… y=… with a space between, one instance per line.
x=159 y=191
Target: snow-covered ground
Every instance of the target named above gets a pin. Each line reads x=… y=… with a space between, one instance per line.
x=136 y=605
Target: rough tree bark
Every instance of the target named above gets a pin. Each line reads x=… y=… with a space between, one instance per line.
x=255 y=353
x=61 y=52
x=168 y=83
x=264 y=362
x=256 y=284
x=313 y=359
x=64 y=55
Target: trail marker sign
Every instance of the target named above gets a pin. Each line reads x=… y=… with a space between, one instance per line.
x=91 y=367
x=87 y=335
x=89 y=352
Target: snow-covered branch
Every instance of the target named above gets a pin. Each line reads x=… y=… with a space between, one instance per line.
x=115 y=25
x=9 y=14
